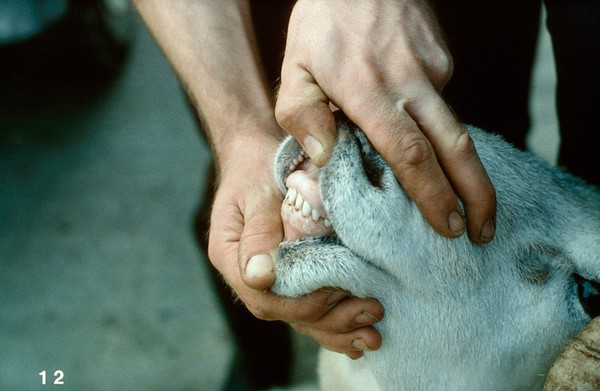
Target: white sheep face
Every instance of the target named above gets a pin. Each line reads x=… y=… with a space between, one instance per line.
x=459 y=316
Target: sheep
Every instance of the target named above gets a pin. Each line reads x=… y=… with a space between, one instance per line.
x=459 y=316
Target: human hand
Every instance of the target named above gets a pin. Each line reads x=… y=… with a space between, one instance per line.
x=384 y=63
x=246 y=230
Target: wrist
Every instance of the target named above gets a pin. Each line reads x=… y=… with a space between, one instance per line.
x=246 y=146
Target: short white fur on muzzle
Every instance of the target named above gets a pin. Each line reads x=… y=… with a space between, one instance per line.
x=459 y=316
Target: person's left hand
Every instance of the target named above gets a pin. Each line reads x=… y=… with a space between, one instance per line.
x=245 y=232
x=384 y=63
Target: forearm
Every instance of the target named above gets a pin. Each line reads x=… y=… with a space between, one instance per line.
x=212 y=48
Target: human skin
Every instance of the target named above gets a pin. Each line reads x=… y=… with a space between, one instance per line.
x=384 y=63
x=212 y=48
x=234 y=102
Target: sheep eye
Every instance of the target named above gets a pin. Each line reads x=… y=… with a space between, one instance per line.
x=589 y=295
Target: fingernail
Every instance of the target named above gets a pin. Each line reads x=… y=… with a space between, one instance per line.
x=336 y=297
x=259 y=265
x=313 y=147
x=488 y=230
x=456 y=223
x=365 y=319
x=359 y=344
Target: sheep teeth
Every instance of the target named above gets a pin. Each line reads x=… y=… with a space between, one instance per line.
x=315 y=215
x=291 y=196
x=294 y=199
x=306 y=209
x=299 y=202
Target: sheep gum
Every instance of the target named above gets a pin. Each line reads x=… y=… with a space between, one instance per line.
x=303 y=185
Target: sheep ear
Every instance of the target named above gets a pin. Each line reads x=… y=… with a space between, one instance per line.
x=576 y=368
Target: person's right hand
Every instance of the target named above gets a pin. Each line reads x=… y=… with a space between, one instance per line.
x=221 y=72
x=245 y=232
x=384 y=63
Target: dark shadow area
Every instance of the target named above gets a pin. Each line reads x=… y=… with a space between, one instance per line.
x=66 y=68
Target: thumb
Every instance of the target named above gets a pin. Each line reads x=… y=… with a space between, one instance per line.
x=258 y=245
x=302 y=110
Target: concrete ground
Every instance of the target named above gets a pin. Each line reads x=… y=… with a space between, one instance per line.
x=100 y=276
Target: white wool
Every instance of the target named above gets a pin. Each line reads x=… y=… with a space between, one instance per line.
x=459 y=316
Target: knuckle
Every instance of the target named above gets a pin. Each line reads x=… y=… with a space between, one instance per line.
x=260 y=313
x=285 y=113
x=464 y=143
x=443 y=68
x=354 y=355
x=413 y=151
x=439 y=68
x=307 y=313
x=463 y=146
x=449 y=66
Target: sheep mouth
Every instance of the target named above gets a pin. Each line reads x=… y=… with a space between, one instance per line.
x=302 y=210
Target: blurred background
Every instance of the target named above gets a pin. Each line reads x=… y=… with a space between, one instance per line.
x=101 y=171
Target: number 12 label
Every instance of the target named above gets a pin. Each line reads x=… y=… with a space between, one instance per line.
x=58 y=377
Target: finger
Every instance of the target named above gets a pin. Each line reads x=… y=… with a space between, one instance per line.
x=352 y=343
x=259 y=240
x=327 y=309
x=351 y=314
x=397 y=137
x=226 y=223
x=266 y=305
x=302 y=110
x=346 y=327
x=341 y=313
x=461 y=164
